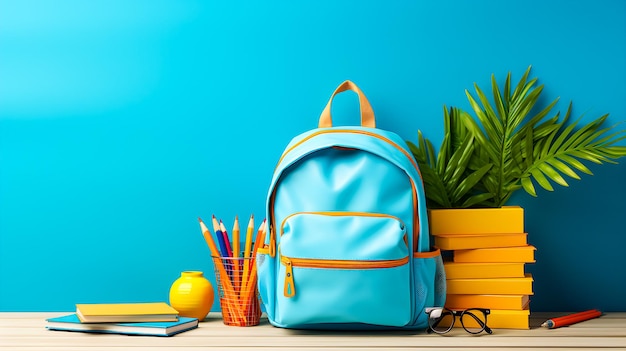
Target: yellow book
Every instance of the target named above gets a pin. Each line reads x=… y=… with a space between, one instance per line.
x=126 y=312
x=519 y=254
x=477 y=241
x=455 y=270
x=506 y=219
x=497 y=302
x=495 y=286
x=501 y=319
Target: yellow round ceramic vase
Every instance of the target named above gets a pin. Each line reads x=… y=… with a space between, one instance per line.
x=192 y=295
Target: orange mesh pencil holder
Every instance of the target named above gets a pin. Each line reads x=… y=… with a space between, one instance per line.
x=236 y=280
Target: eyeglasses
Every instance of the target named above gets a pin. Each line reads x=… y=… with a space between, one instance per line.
x=473 y=320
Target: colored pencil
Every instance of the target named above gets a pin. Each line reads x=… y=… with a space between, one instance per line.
x=229 y=249
x=571 y=319
x=249 y=296
x=249 y=232
x=220 y=238
x=236 y=243
x=246 y=254
x=236 y=252
x=260 y=238
x=250 y=292
x=209 y=240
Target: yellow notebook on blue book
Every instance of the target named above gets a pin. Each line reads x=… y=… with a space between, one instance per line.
x=126 y=312
x=73 y=324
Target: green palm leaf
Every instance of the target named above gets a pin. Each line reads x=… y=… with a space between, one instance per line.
x=448 y=177
x=484 y=159
x=563 y=168
x=528 y=186
x=538 y=149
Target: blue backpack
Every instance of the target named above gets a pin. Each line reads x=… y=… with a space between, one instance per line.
x=348 y=243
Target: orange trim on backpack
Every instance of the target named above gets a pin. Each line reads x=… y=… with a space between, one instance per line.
x=364 y=132
x=416 y=230
x=427 y=254
x=289 y=289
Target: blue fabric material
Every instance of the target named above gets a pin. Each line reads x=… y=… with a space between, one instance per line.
x=347 y=196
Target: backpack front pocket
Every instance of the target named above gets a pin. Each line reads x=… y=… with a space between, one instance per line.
x=343 y=267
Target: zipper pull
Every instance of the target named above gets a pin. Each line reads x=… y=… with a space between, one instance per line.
x=290 y=288
x=272 y=243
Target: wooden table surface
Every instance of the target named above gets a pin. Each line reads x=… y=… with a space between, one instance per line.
x=26 y=331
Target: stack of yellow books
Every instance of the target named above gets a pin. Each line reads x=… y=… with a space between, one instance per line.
x=487 y=270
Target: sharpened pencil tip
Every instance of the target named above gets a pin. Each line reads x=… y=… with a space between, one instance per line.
x=199 y=219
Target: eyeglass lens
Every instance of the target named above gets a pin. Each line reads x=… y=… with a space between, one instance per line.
x=474 y=321
x=442 y=324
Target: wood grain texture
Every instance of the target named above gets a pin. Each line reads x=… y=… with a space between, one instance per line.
x=26 y=331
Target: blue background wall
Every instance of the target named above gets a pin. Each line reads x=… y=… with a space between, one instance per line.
x=121 y=122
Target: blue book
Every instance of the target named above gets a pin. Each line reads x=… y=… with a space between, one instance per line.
x=72 y=323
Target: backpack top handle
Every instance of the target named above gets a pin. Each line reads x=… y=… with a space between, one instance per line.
x=367 y=113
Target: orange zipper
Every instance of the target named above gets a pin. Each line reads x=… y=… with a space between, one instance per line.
x=340 y=214
x=272 y=228
x=289 y=289
x=364 y=132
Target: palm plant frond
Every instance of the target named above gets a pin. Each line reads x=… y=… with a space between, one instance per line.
x=525 y=150
x=569 y=145
x=484 y=159
x=449 y=178
x=424 y=155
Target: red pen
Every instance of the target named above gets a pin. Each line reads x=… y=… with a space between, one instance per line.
x=571 y=319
